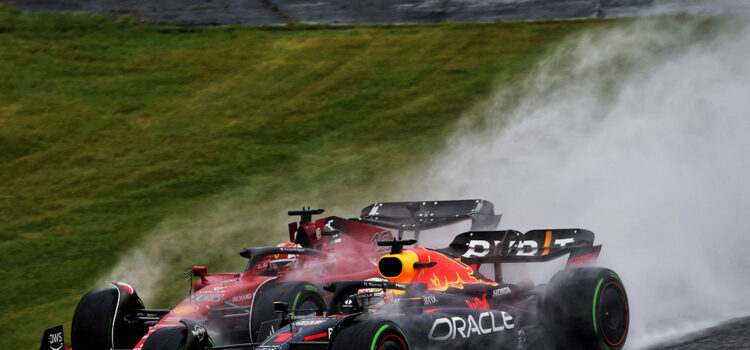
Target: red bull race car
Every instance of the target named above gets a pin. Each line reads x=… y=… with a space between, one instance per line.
x=437 y=299
x=238 y=308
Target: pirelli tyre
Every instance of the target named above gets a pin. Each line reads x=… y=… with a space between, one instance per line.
x=587 y=308
x=370 y=334
x=104 y=319
x=264 y=320
x=193 y=336
x=166 y=338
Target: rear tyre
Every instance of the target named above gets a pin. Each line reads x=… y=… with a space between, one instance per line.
x=298 y=295
x=587 y=308
x=102 y=320
x=167 y=338
x=370 y=334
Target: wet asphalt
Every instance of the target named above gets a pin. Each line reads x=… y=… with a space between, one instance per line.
x=734 y=334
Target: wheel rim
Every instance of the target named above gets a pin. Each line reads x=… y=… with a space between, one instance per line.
x=392 y=342
x=613 y=314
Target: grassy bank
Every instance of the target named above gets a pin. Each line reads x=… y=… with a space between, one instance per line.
x=110 y=128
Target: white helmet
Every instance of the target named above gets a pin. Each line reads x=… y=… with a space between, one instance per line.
x=281 y=262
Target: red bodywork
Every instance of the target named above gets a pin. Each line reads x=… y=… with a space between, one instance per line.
x=351 y=252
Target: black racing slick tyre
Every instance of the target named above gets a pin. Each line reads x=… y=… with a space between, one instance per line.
x=167 y=338
x=371 y=335
x=264 y=320
x=587 y=308
x=102 y=319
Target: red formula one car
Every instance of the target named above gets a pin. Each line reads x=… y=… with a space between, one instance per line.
x=238 y=307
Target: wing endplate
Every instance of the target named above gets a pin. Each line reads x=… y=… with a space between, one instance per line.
x=481 y=247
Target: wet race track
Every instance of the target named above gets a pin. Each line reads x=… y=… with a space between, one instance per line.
x=734 y=334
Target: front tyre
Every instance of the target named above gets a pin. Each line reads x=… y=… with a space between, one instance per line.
x=370 y=334
x=166 y=338
x=107 y=319
x=193 y=336
x=587 y=308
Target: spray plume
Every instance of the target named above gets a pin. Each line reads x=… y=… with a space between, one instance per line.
x=639 y=133
x=211 y=234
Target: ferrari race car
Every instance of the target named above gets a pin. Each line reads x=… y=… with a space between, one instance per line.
x=440 y=300
x=237 y=308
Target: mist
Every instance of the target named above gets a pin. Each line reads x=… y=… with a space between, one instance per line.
x=211 y=233
x=640 y=134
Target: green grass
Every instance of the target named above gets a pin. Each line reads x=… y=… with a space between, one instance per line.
x=111 y=130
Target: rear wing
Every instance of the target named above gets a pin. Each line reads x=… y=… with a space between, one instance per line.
x=417 y=216
x=510 y=246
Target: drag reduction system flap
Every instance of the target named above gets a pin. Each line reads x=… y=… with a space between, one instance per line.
x=414 y=216
x=480 y=247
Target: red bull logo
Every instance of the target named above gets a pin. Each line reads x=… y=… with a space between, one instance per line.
x=446 y=273
x=476 y=303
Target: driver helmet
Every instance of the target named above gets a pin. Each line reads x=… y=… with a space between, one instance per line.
x=374 y=297
x=280 y=262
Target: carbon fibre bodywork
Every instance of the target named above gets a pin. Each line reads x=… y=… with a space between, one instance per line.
x=457 y=328
x=478 y=315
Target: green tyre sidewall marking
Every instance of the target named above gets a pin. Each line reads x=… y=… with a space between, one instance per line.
x=377 y=334
x=593 y=306
x=404 y=335
x=312 y=288
x=615 y=276
x=294 y=305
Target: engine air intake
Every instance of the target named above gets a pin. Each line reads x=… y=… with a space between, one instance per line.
x=390 y=266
